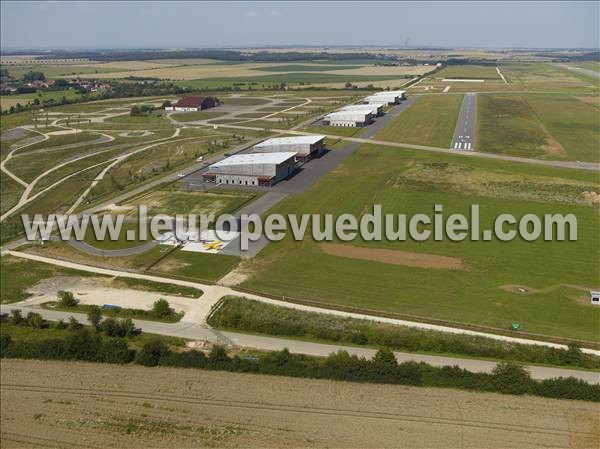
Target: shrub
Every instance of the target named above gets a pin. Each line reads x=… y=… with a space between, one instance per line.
x=66 y=299
x=161 y=308
x=151 y=353
x=511 y=378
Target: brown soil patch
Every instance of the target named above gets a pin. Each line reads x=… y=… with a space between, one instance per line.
x=580 y=298
x=592 y=198
x=169 y=265
x=590 y=99
x=69 y=404
x=554 y=148
x=394 y=257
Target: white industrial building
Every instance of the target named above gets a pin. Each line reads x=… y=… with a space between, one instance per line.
x=382 y=98
x=358 y=118
x=399 y=93
x=376 y=109
x=305 y=147
x=252 y=169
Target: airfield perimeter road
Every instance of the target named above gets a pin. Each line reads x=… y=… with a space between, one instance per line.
x=196 y=331
x=464 y=134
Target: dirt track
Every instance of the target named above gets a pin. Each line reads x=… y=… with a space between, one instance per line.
x=394 y=257
x=60 y=404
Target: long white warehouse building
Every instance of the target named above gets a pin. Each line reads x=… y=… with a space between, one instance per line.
x=358 y=118
x=252 y=169
x=305 y=147
x=382 y=98
x=376 y=109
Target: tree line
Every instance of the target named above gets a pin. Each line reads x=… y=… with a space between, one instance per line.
x=253 y=316
x=95 y=344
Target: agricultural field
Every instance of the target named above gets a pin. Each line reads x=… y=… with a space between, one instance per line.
x=172 y=407
x=541 y=125
x=483 y=283
x=430 y=121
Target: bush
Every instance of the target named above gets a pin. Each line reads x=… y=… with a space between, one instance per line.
x=66 y=299
x=511 y=378
x=152 y=352
x=161 y=308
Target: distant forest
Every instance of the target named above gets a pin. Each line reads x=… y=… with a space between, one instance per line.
x=222 y=55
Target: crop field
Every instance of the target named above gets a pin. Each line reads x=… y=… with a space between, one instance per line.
x=158 y=407
x=430 y=121
x=545 y=126
x=553 y=299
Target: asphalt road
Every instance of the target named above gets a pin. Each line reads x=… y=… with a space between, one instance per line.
x=464 y=134
x=196 y=331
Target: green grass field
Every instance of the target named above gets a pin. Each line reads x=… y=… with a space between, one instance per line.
x=171 y=202
x=18 y=275
x=196 y=266
x=406 y=181
x=430 y=121
x=198 y=115
x=469 y=72
x=307 y=68
x=6 y=101
x=538 y=125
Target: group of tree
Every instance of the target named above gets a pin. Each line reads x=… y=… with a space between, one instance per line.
x=98 y=344
x=141 y=110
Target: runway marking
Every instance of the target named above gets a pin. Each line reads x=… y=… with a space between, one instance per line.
x=468 y=145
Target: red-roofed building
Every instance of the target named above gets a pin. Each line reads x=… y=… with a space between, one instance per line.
x=191 y=104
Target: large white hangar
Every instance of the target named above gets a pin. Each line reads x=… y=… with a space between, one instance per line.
x=305 y=147
x=357 y=118
x=385 y=97
x=252 y=169
x=376 y=109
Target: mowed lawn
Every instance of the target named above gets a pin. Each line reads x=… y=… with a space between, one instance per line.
x=572 y=122
x=535 y=125
x=430 y=121
x=555 y=274
x=468 y=72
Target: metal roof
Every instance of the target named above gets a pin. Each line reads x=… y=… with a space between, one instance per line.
x=255 y=158
x=349 y=115
x=391 y=92
x=292 y=140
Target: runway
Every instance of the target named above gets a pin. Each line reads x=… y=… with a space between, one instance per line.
x=464 y=134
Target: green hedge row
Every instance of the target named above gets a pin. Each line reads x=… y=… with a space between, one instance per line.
x=508 y=378
x=253 y=316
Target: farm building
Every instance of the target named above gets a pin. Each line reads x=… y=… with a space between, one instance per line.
x=253 y=169
x=358 y=118
x=305 y=147
x=376 y=109
x=192 y=104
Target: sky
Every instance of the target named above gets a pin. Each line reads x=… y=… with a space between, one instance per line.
x=139 y=24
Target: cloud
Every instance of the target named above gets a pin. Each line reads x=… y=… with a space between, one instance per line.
x=274 y=13
x=251 y=13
